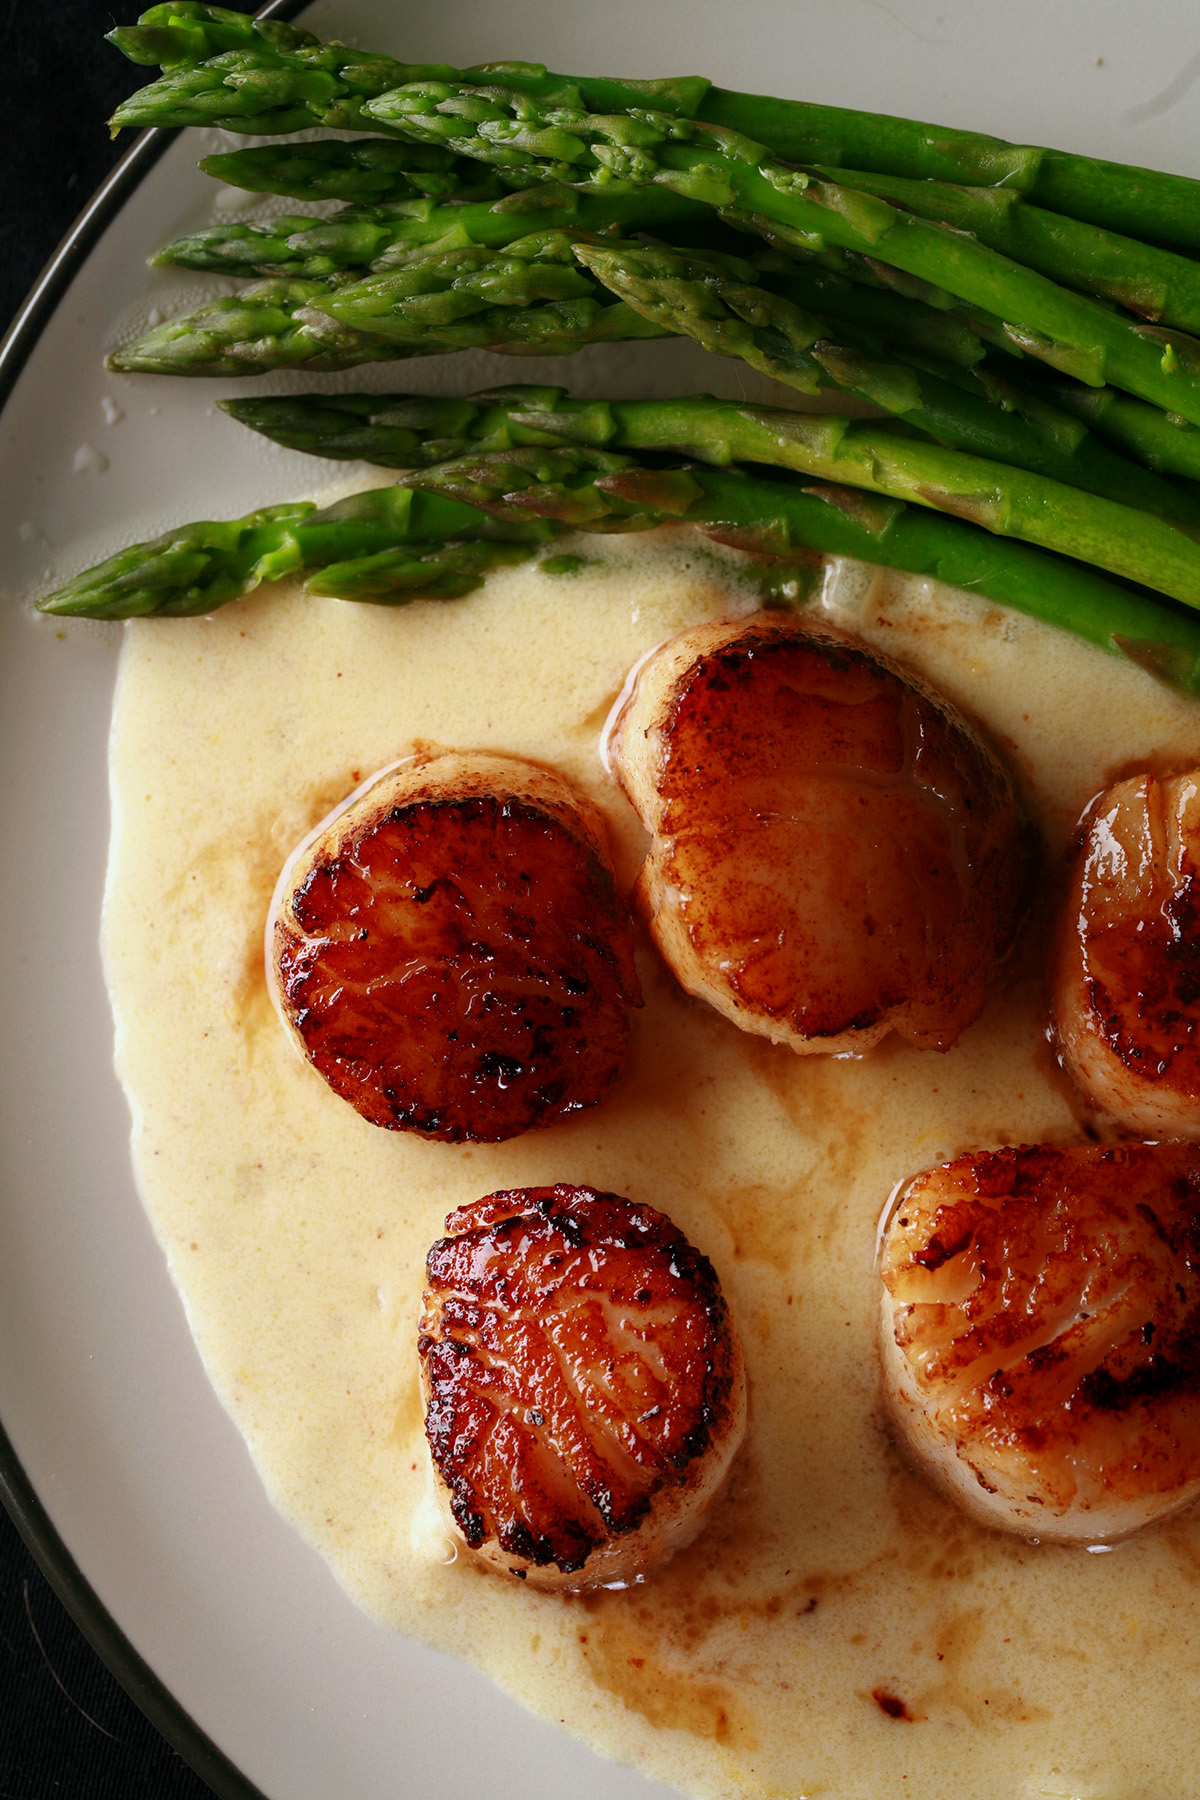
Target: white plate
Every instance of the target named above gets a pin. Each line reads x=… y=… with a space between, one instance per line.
x=109 y=1414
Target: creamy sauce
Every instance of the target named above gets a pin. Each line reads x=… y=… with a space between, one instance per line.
x=840 y=1629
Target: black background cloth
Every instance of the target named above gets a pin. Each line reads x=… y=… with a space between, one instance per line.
x=67 y=1729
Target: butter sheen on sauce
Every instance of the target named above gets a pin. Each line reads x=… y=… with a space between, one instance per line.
x=839 y=1629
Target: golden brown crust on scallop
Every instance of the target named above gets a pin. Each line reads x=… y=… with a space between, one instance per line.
x=1126 y=966
x=836 y=852
x=451 y=951
x=583 y=1384
x=1041 y=1333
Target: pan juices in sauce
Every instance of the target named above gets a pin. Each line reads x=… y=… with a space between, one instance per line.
x=839 y=1628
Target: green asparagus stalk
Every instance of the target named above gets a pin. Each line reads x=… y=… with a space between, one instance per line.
x=364 y=172
x=290 y=246
x=1003 y=499
x=857 y=298
x=1009 y=501
x=440 y=291
x=418 y=572
x=525 y=300
x=469 y=295
x=766 y=515
x=263 y=76
x=266 y=326
x=937 y=332
x=395 y=431
x=885 y=288
x=1161 y=441
x=855 y=453
x=883 y=285
x=1076 y=334
x=195 y=569
x=1147 y=204
x=725 y=306
x=199 y=567
x=409 y=431
x=270 y=77
x=1156 y=284
x=310 y=249
x=910 y=316
x=296 y=247
x=712 y=299
x=303 y=247
x=928 y=326
x=412 y=431
x=524 y=499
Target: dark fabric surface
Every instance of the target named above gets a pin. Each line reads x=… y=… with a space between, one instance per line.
x=62 y=83
x=67 y=1729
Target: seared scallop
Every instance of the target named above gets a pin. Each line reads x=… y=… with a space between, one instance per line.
x=450 y=952
x=1041 y=1334
x=835 y=853
x=1126 y=968
x=583 y=1385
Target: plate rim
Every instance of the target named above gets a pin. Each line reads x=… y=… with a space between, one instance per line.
x=17 y=1493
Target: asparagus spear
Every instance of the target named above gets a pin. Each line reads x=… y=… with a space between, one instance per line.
x=723 y=304
x=856 y=287
x=305 y=247
x=437 y=289
x=1162 y=441
x=522 y=499
x=416 y=430
x=309 y=249
x=289 y=246
x=192 y=570
x=1073 y=332
x=272 y=77
x=1157 y=284
x=264 y=327
x=936 y=331
x=1009 y=501
x=264 y=76
x=856 y=297
x=714 y=300
x=199 y=567
x=453 y=299
x=367 y=172
x=887 y=286
x=395 y=431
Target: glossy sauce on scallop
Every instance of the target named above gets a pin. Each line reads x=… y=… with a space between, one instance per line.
x=839 y=1628
x=1043 y=1333
x=580 y=1370
x=1126 y=966
x=837 y=853
x=452 y=953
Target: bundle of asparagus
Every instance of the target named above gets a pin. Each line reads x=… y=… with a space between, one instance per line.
x=223 y=68
x=1030 y=355
x=508 y=472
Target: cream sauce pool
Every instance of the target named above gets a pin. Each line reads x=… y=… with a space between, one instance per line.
x=839 y=1629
